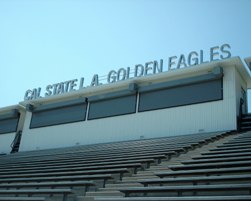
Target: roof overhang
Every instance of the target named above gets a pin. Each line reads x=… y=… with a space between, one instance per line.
x=7 y=109
x=149 y=79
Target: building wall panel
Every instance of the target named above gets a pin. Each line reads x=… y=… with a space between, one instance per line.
x=6 y=140
x=191 y=119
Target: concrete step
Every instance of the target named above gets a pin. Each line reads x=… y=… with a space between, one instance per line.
x=154 y=168
x=144 y=173
x=119 y=186
x=110 y=189
x=91 y=198
x=124 y=184
x=135 y=179
x=131 y=181
x=105 y=194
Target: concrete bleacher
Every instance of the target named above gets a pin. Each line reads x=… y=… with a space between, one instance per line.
x=201 y=174
x=171 y=168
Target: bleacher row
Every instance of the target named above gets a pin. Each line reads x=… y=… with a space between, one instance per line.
x=77 y=173
x=220 y=173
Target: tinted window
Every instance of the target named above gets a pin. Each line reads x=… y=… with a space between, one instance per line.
x=112 y=107
x=8 y=125
x=181 y=95
x=55 y=116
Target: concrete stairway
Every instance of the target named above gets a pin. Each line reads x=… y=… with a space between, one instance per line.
x=111 y=189
x=245 y=124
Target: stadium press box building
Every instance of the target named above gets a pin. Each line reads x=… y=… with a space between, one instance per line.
x=206 y=97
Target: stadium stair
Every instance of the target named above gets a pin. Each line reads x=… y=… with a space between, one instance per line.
x=138 y=168
x=118 y=189
x=245 y=124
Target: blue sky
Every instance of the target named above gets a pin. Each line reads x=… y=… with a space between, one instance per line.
x=49 y=41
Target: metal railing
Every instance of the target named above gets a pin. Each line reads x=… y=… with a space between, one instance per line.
x=240 y=114
x=16 y=139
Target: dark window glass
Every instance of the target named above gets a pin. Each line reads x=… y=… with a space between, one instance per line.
x=8 y=125
x=55 y=116
x=181 y=95
x=112 y=107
